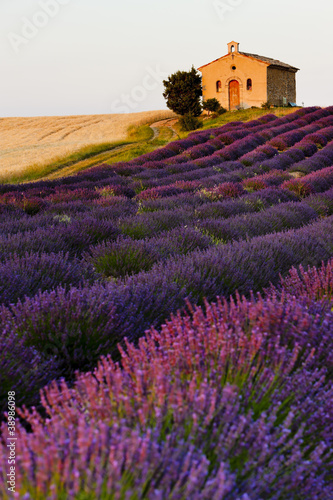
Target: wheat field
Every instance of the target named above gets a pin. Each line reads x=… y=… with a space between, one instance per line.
x=39 y=140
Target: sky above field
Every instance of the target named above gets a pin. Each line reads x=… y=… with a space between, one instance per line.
x=66 y=57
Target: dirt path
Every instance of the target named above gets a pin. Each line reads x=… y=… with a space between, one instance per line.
x=169 y=123
x=156 y=131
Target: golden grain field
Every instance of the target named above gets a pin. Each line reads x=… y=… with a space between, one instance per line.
x=39 y=140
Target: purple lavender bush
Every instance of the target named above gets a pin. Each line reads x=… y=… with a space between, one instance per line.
x=205 y=407
x=25 y=276
x=162 y=398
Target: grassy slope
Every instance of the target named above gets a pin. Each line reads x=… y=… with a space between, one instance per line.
x=139 y=141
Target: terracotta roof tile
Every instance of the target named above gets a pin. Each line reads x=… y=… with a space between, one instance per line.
x=269 y=60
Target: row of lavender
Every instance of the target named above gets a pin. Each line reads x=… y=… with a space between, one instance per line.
x=88 y=249
x=80 y=244
x=99 y=184
x=55 y=333
x=106 y=254
x=31 y=245
x=230 y=402
x=242 y=142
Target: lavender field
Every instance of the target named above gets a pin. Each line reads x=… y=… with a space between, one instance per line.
x=167 y=323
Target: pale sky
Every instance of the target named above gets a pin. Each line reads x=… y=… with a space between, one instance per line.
x=63 y=57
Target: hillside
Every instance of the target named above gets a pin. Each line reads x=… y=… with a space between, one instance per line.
x=52 y=147
x=27 y=142
x=203 y=272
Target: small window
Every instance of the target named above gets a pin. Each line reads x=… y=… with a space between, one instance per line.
x=232 y=48
x=249 y=84
x=233 y=68
x=218 y=86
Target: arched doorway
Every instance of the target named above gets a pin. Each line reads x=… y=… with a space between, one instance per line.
x=234 y=96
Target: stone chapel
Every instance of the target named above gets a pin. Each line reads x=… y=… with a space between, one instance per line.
x=241 y=80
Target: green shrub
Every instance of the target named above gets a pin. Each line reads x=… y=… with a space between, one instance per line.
x=190 y=122
x=266 y=105
x=213 y=106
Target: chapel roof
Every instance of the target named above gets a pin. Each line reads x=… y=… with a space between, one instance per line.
x=267 y=60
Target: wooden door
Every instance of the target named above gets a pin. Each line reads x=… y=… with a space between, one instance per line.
x=234 y=97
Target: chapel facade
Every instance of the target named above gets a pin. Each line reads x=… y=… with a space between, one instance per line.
x=241 y=80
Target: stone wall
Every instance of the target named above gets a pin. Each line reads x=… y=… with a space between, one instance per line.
x=281 y=83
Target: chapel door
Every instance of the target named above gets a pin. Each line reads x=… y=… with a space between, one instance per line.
x=234 y=97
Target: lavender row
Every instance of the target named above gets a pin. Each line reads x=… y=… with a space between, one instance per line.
x=203 y=206
x=259 y=426
x=241 y=142
x=79 y=325
x=108 y=174
x=314 y=182
x=127 y=256
x=100 y=173
x=74 y=234
x=278 y=218
x=317 y=181
x=323 y=158
x=69 y=236
x=30 y=273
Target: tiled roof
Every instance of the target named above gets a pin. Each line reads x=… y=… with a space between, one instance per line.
x=269 y=60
